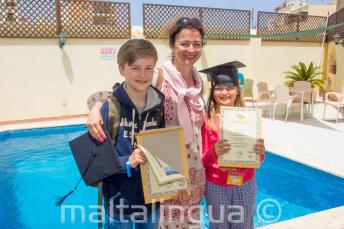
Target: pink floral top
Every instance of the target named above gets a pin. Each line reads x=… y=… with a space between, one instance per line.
x=196 y=169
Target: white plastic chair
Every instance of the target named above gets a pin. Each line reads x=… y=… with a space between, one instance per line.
x=264 y=96
x=308 y=97
x=336 y=100
x=282 y=97
x=248 y=91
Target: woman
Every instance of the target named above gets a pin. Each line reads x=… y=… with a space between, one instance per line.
x=184 y=106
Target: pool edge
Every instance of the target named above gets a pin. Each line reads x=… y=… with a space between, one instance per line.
x=329 y=219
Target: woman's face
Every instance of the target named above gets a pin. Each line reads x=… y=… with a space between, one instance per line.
x=225 y=95
x=187 y=48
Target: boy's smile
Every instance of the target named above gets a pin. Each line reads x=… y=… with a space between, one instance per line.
x=138 y=75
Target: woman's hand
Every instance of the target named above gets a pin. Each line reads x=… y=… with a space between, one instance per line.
x=95 y=122
x=182 y=196
x=221 y=147
x=259 y=147
x=137 y=157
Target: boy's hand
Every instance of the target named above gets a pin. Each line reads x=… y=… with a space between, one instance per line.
x=259 y=147
x=94 y=123
x=137 y=157
x=221 y=147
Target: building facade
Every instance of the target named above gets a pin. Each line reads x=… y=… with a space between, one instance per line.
x=302 y=7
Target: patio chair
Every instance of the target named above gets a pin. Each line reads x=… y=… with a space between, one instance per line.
x=248 y=91
x=282 y=97
x=264 y=96
x=336 y=100
x=306 y=88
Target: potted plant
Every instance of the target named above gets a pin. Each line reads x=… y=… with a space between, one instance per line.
x=303 y=73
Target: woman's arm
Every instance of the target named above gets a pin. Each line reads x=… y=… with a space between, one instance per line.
x=100 y=96
x=94 y=120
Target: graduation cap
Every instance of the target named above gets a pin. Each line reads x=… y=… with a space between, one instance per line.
x=95 y=160
x=224 y=74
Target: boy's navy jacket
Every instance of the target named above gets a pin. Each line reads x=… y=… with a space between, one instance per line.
x=119 y=188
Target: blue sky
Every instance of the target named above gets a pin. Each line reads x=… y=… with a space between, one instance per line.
x=257 y=5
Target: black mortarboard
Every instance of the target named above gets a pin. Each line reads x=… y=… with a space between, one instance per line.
x=95 y=160
x=224 y=74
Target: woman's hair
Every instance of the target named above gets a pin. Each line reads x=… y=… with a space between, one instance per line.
x=135 y=49
x=211 y=104
x=185 y=23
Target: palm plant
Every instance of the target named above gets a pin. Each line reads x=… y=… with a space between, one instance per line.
x=303 y=73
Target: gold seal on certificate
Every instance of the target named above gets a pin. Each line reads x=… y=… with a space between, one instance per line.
x=241 y=127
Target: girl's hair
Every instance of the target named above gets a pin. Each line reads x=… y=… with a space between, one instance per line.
x=211 y=104
x=134 y=49
x=185 y=23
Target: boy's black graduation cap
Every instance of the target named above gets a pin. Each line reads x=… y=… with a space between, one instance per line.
x=95 y=160
x=224 y=74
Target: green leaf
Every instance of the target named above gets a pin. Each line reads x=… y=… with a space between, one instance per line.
x=301 y=72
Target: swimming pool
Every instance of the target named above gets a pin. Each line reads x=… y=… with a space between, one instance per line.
x=36 y=166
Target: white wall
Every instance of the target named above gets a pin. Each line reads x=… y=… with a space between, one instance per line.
x=38 y=79
x=339 y=77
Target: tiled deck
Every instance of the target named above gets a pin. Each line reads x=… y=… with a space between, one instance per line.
x=314 y=142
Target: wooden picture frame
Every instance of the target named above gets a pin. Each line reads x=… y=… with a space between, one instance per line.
x=166 y=144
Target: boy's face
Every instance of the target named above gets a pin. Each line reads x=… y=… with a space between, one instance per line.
x=139 y=74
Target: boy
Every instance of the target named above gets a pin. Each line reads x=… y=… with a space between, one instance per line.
x=141 y=108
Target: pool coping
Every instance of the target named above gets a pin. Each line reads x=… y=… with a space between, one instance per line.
x=285 y=154
x=43 y=124
x=329 y=219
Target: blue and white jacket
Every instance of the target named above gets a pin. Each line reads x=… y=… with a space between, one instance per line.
x=120 y=188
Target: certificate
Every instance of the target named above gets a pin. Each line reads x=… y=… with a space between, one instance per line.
x=166 y=171
x=241 y=127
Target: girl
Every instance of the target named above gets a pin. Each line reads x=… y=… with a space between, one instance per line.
x=225 y=91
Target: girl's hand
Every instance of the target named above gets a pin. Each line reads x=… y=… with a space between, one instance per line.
x=259 y=147
x=221 y=147
x=94 y=123
x=137 y=157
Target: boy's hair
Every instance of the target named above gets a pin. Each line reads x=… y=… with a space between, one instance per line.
x=135 y=49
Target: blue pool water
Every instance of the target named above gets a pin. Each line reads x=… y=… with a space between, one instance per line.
x=36 y=166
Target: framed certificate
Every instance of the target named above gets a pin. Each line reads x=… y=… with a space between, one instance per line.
x=167 y=170
x=241 y=127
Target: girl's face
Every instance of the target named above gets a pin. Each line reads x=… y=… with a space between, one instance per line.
x=225 y=95
x=187 y=48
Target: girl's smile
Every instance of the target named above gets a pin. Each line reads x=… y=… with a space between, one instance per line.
x=225 y=95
